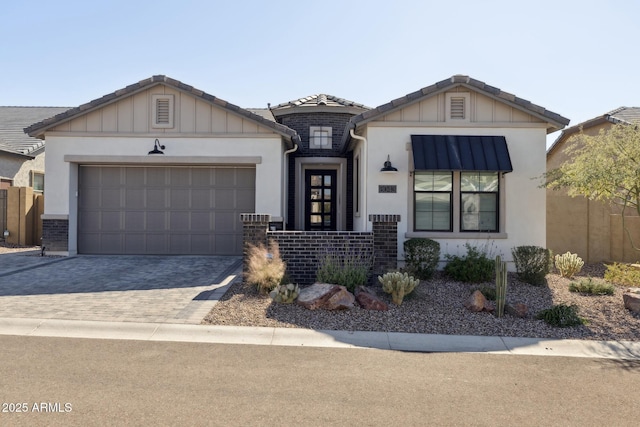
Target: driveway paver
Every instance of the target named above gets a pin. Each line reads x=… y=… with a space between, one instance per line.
x=163 y=289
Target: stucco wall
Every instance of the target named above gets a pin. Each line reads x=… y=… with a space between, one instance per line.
x=19 y=168
x=524 y=202
x=592 y=229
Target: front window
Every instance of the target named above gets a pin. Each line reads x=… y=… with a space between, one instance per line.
x=479 y=201
x=456 y=201
x=432 y=191
x=320 y=137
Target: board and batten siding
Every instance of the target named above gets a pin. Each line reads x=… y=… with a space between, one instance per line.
x=133 y=115
x=482 y=109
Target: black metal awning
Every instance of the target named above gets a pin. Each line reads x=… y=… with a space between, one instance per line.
x=461 y=153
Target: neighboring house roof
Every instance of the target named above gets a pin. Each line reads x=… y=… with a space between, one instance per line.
x=554 y=120
x=38 y=129
x=13 y=140
x=625 y=115
x=318 y=103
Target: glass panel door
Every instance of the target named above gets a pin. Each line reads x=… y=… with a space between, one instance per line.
x=320 y=203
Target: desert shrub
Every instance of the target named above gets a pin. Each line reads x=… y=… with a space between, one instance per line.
x=569 y=264
x=285 y=293
x=593 y=287
x=561 y=315
x=347 y=268
x=474 y=267
x=488 y=292
x=265 y=268
x=533 y=263
x=622 y=274
x=398 y=285
x=421 y=257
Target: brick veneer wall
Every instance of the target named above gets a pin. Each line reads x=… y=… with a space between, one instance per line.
x=55 y=235
x=302 y=250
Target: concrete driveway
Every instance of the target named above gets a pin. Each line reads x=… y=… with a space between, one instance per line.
x=166 y=289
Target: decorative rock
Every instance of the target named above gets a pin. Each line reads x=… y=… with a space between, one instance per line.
x=368 y=300
x=326 y=296
x=519 y=310
x=631 y=299
x=476 y=302
x=489 y=306
x=340 y=300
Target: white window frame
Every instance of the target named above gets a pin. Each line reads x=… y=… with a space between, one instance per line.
x=449 y=99
x=313 y=144
x=35 y=173
x=155 y=99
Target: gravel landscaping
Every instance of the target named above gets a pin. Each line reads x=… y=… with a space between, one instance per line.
x=437 y=307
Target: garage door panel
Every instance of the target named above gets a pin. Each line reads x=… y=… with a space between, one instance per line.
x=180 y=198
x=163 y=210
x=111 y=221
x=134 y=221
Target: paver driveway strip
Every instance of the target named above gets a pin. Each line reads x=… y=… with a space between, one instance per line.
x=169 y=289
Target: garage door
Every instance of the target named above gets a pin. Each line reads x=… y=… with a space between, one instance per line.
x=163 y=210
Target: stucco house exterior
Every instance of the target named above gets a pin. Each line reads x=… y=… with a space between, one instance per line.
x=592 y=229
x=453 y=161
x=22 y=156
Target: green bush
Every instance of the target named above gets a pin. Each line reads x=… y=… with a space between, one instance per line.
x=533 y=263
x=421 y=257
x=346 y=268
x=593 y=287
x=622 y=274
x=474 y=267
x=561 y=315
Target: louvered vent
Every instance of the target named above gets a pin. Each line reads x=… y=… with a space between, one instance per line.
x=457 y=108
x=162 y=112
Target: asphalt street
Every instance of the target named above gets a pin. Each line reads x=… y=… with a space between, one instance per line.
x=85 y=382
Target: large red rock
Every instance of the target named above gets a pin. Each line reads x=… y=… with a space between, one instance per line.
x=325 y=296
x=370 y=301
x=476 y=302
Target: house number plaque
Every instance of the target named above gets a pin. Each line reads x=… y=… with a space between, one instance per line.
x=387 y=189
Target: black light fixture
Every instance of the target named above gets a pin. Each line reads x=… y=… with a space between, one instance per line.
x=156 y=148
x=387 y=167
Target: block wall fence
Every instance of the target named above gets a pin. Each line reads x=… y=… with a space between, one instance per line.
x=302 y=250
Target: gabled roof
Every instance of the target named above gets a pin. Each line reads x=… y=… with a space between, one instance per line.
x=555 y=121
x=12 y=122
x=38 y=129
x=318 y=103
x=624 y=115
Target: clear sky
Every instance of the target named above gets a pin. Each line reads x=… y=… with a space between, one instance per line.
x=577 y=58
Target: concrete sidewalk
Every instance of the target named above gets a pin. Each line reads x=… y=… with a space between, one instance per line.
x=628 y=350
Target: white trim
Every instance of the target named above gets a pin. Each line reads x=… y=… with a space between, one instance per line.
x=164 y=160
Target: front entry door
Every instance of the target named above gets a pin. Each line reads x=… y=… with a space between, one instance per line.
x=320 y=199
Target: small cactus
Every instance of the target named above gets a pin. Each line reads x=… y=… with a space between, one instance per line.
x=398 y=285
x=568 y=264
x=285 y=293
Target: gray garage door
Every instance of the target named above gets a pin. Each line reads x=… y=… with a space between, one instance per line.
x=163 y=210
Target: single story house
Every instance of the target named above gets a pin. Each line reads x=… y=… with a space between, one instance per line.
x=22 y=156
x=162 y=167
x=592 y=229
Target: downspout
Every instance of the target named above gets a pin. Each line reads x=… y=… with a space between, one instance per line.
x=285 y=184
x=363 y=167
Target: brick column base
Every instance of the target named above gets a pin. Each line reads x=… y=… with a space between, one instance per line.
x=254 y=232
x=385 y=242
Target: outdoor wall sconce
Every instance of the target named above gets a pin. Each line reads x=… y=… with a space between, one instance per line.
x=6 y=233
x=387 y=167
x=157 y=147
